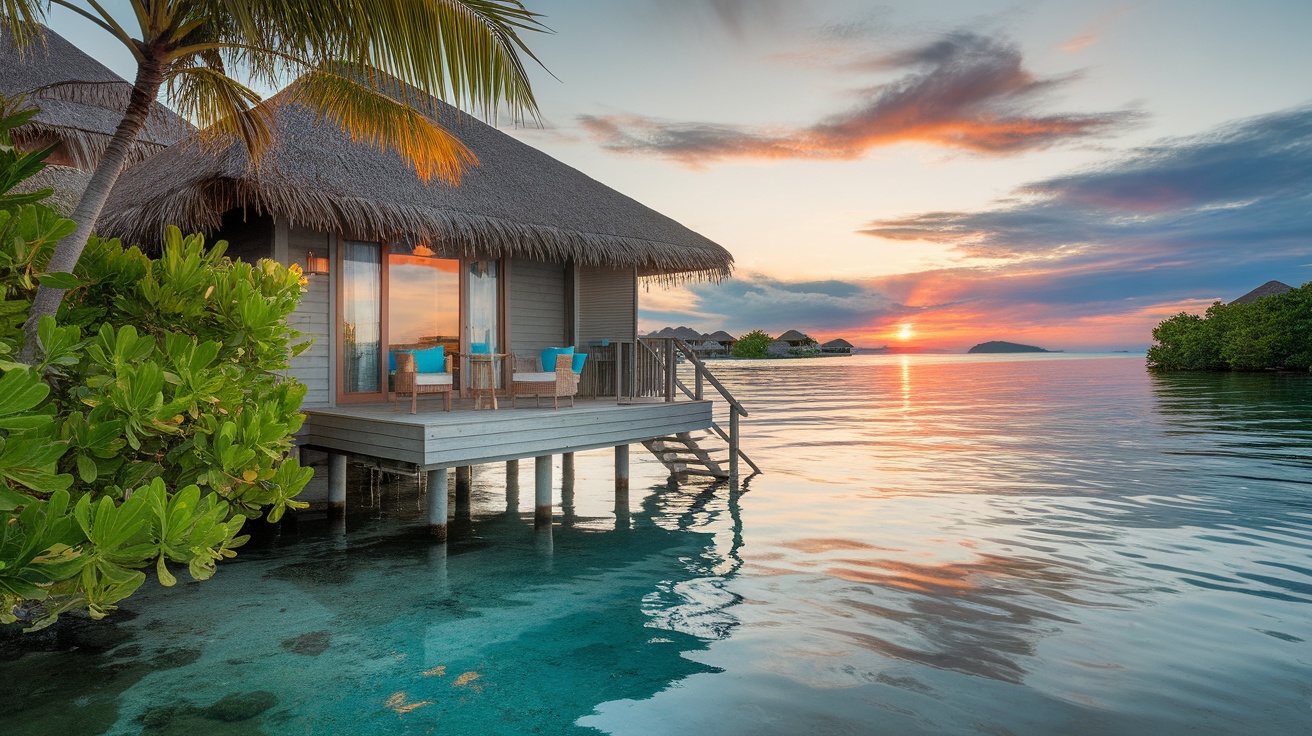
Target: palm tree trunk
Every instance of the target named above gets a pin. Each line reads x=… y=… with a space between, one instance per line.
x=150 y=74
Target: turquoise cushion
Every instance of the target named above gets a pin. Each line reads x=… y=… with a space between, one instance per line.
x=480 y=348
x=579 y=359
x=549 y=356
x=391 y=360
x=432 y=360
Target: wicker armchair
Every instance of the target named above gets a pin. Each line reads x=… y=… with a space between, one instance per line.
x=409 y=381
x=527 y=382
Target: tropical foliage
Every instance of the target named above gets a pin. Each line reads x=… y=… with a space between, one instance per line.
x=347 y=54
x=1274 y=332
x=153 y=422
x=755 y=344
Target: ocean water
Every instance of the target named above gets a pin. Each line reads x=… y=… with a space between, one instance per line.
x=940 y=544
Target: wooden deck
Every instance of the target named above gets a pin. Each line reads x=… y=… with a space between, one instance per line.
x=434 y=439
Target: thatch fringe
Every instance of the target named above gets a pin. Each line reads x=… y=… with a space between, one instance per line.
x=467 y=235
x=84 y=148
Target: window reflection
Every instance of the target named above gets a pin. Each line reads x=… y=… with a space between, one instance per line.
x=423 y=298
x=361 y=317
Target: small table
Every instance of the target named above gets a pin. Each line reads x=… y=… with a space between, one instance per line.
x=482 y=377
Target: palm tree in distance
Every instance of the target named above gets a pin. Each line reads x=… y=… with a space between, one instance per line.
x=345 y=53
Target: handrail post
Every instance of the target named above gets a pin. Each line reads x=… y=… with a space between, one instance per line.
x=669 y=371
x=699 y=390
x=733 y=446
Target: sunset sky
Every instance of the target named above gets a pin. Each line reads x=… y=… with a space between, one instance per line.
x=1063 y=174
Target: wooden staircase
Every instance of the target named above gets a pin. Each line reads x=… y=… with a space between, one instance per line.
x=684 y=455
x=712 y=453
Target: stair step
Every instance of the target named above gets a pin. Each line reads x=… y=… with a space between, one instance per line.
x=705 y=473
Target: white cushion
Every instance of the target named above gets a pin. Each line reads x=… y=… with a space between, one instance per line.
x=535 y=378
x=432 y=379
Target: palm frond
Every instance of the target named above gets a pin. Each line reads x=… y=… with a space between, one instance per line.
x=466 y=52
x=23 y=18
x=372 y=117
x=224 y=109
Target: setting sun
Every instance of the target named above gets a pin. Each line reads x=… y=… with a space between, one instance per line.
x=905 y=333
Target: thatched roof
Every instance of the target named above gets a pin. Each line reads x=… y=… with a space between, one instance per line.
x=839 y=343
x=687 y=334
x=84 y=108
x=1270 y=288
x=517 y=202
x=721 y=336
x=67 y=182
x=793 y=336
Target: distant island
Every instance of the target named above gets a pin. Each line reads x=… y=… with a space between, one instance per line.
x=998 y=346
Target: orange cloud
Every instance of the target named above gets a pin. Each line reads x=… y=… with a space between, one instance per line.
x=964 y=91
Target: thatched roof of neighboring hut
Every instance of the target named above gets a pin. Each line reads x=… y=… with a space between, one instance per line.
x=721 y=336
x=67 y=183
x=517 y=202
x=839 y=343
x=1270 y=288
x=687 y=334
x=793 y=336
x=80 y=99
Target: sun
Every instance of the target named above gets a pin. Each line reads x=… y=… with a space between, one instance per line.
x=905 y=332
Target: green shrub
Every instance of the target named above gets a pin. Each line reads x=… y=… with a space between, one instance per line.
x=154 y=422
x=1274 y=332
x=754 y=344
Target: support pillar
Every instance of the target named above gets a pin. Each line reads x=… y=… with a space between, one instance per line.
x=567 y=489
x=621 y=487
x=621 y=468
x=542 y=491
x=464 y=479
x=336 y=485
x=512 y=487
x=437 y=503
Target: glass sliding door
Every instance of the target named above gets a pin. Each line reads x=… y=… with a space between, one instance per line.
x=362 y=317
x=482 y=328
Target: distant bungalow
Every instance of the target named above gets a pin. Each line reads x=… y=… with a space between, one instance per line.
x=837 y=347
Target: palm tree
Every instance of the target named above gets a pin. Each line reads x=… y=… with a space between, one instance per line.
x=346 y=53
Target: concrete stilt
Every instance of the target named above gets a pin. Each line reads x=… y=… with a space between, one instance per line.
x=336 y=485
x=463 y=503
x=567 y=468
x=567 y=488
x=542 y=490
x=437 y=503
x=464 y=479
x=621 y=468
x=512 y=486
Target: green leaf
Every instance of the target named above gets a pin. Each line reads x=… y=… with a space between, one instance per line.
x=59 y=281
x=86 y=469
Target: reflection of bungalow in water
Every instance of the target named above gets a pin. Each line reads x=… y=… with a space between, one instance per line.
x=837 y=347
x=525 y=254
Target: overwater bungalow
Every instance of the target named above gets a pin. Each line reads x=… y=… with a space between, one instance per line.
x=837 y=347
x=525 y=254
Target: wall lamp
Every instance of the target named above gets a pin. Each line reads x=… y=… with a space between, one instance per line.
x=315 y=265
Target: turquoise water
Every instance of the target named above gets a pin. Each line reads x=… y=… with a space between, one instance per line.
x=940 y=544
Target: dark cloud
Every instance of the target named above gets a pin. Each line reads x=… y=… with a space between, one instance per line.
x=1234 y=195
x=963 y=91
x=752 y=301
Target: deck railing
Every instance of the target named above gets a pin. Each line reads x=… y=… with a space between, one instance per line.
x=656 y=374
